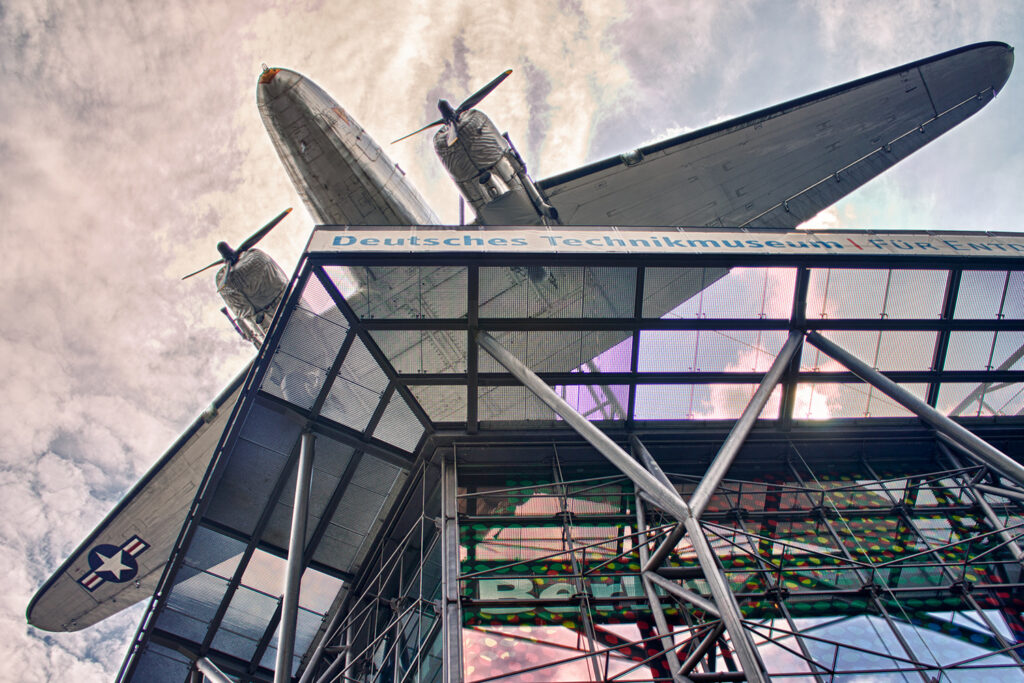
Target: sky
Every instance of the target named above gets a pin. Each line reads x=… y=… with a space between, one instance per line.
x=130 y=144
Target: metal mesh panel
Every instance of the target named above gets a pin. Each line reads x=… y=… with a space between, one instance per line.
x=978 y=350
x=699 y=401
x=245 y=621
x=973 y=399
x=442 y=403
x=1013 y=303
x=408 y=292
x=709 y=350
x=158 y=664
x=596 y=402
x=981 y=294
x=666 y=289
x=338 y=547
x=823 y=401
x=413 y=351
x=376 y=475
x=356 y=512
x=294 y=380
x=915 y=294
x=312 y=339
x=862 y=293
x=182 y=625
x=884 y=350
x=214 y=552
x=556 y=292
x=197 y=594
x=356 y=390
x=316 y=300
x=318 y=590
x=306 y=627
x=743 y=293
x=350 y=404
x=360 y=368
x=511 y=403
x=562 y=351
x=399 y=426
x=245 y=486
x=271 y=429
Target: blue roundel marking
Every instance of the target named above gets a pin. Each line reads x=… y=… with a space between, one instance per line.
x=112 y=563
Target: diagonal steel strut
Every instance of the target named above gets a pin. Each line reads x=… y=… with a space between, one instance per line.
x=662 y=493
x=967 y=440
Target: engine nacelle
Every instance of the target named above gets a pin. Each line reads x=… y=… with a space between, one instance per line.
x=490 y=174
x=252 y=289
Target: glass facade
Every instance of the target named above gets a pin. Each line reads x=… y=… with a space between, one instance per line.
x=459 y=528
x=884 y=572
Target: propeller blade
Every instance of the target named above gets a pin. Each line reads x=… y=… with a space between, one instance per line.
x=483 y=92
x=429 y=125
x=251 y=241
x=452 y=135
x=215 y=263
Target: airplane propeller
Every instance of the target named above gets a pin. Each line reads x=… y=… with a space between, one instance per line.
x=230 y=256
x=451 y=116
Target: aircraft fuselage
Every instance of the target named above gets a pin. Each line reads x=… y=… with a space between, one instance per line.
x=342 y=174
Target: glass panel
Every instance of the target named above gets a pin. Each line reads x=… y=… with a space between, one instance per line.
x=981 y=294
x=699 y=401
x=564 y=351
x=975 y=400
x=885 y=351
x=406 y=291
x=709 y=350
x=539 y=291
x=822 y=401
x=718 y=293
x=418 y=351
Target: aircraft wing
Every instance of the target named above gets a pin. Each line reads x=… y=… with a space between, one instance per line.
x=780 y=166
x=121 y=561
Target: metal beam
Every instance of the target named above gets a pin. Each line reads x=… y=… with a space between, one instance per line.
x=702 y=648
x=977 y=447
x=695 y=599
x=654 y=601
x=664 y=496
x=451 y=611
x=977 y=493
x=293 y=572
x=1000 y=491
x=210 y=670
x=741 y=428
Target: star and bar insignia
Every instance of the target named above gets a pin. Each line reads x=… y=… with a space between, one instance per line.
x=112 y=563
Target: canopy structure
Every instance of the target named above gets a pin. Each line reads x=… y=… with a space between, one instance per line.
x=492 y=440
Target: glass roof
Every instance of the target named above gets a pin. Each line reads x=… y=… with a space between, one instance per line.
x=375 y=355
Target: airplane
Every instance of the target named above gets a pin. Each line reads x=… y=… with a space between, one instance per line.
x=776 y=167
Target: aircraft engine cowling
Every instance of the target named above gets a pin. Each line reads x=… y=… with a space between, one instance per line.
x=490 y=174
x=252 y=288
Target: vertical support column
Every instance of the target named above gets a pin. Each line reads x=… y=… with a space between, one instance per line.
x=293 y=572
x=451 y=612
x=973 y=444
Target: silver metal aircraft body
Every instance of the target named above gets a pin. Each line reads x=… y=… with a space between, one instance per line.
x=772 y=168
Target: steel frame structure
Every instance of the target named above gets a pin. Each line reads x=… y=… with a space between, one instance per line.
x=392 y=623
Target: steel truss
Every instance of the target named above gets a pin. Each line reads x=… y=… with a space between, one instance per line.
x=392 y=623
x=656 y=491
